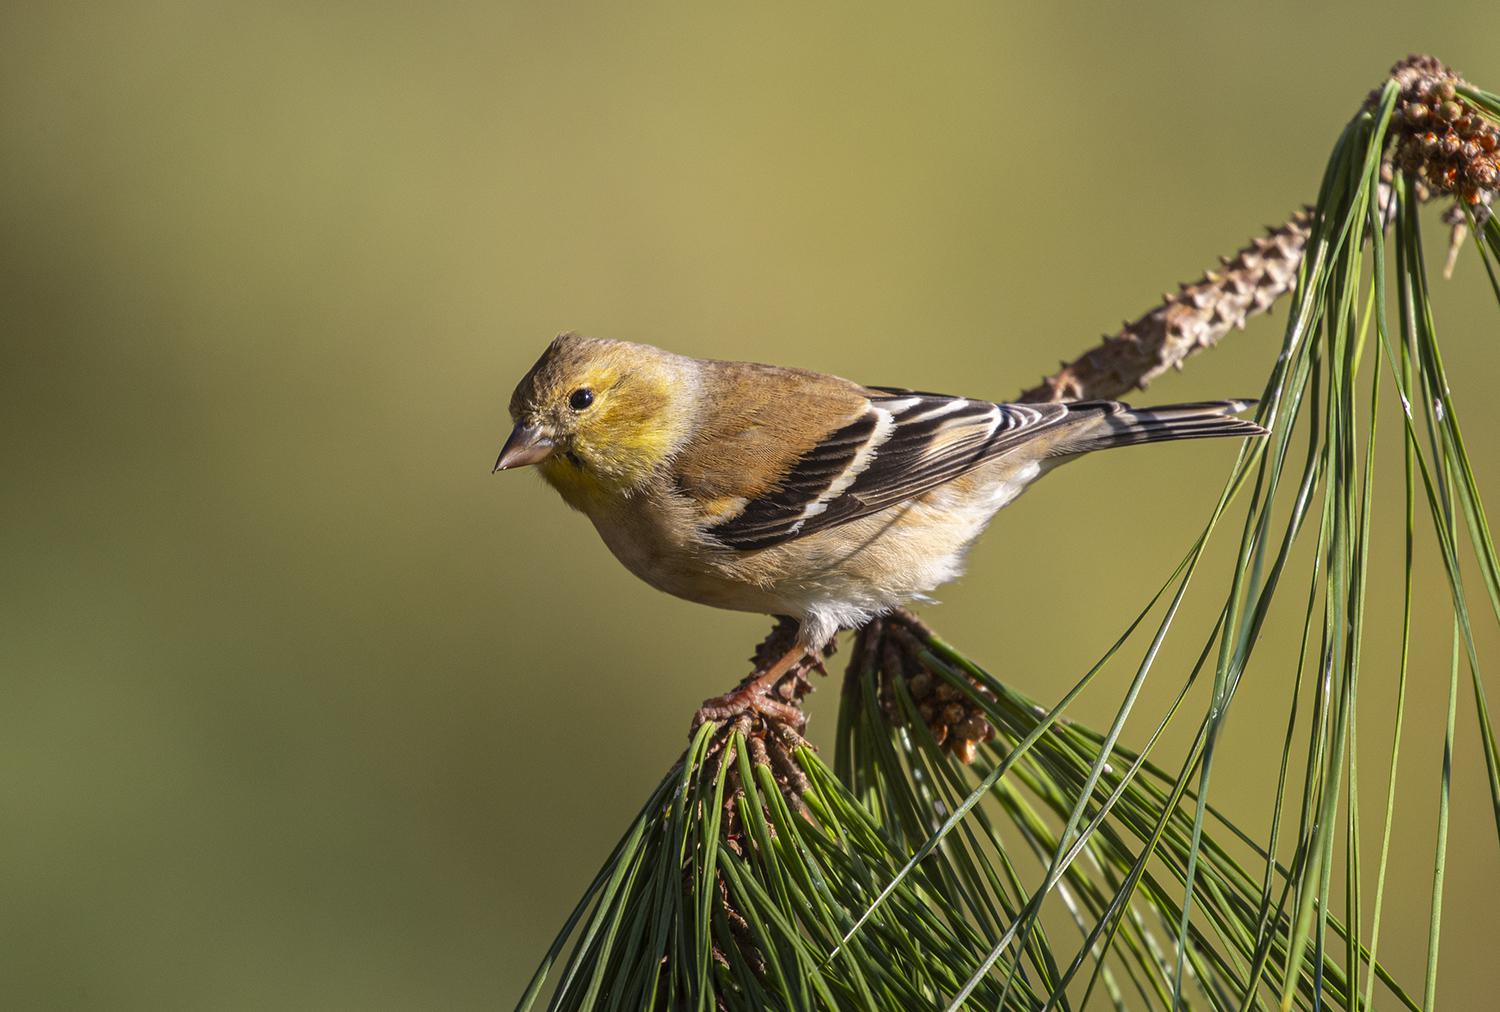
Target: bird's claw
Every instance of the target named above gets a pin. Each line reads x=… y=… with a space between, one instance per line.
x=747 y=700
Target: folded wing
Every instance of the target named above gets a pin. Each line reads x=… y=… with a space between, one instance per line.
x=901 y=445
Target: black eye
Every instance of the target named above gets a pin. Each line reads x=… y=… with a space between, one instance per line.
x=580 y=398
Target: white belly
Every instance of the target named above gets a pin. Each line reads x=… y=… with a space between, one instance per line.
x=832 y=579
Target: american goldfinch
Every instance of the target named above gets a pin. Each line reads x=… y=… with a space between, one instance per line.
x=793 y=493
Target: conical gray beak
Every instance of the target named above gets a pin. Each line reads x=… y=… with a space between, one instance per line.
x=527 y=444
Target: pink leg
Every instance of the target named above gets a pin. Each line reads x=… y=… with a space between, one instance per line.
x=755 y=695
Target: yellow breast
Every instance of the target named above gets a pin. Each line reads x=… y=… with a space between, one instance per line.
x=579 y=488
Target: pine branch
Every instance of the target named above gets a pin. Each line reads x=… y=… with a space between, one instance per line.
x=1445 y=145
x=1185 y=322
x=756 y=876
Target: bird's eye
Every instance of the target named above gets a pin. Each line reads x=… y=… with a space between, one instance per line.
x=580 y=398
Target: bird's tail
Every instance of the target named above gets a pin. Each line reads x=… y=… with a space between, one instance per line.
x=1103 y=424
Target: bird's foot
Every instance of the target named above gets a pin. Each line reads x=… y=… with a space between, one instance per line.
x=764 y=716
x=769 y=692
x=745 y=701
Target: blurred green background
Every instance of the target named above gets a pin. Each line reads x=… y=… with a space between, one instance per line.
x=304 y=709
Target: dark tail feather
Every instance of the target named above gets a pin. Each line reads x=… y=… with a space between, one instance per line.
x=1103 y=424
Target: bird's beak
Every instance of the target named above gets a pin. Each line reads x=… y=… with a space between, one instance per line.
x=528 y=444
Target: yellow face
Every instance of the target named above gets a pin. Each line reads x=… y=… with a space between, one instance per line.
x=605 y=411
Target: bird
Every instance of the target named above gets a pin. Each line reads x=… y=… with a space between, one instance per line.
x=761 y=488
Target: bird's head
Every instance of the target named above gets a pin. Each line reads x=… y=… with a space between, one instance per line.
x=598 y=415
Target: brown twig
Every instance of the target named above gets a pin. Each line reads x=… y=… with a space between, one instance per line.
x=1443 y=145
x=1185 y=322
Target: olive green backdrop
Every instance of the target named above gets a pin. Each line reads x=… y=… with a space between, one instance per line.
x=301 y=708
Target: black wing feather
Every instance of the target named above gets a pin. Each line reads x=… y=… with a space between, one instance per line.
x=909 y=443
x=906 y=461
x=771 y=516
